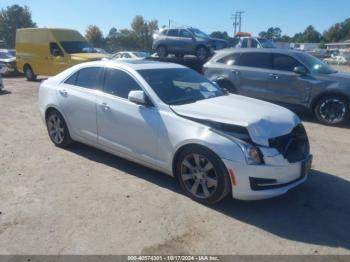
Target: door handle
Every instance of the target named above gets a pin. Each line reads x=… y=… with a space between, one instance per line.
x=105 y=106
x=275 y=76
x=235 y=72
x=63 y=92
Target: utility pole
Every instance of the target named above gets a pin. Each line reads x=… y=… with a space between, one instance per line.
x=237 y=16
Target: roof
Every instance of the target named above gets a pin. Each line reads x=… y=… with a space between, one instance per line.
x=258 y=50
x=135 y=64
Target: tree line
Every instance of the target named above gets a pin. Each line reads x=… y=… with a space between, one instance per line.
x=139 y=36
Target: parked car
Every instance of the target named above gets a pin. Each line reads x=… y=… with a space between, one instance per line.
x=185 y=41
x=1 y=83
x=8 y=61
x=130 y=55
x=292 y=78
x=47 y=51
x=255 y=42
x=172 y=119
x=102 y=51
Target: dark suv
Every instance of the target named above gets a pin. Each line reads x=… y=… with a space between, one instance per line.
x=291 y=78
x=185 y=41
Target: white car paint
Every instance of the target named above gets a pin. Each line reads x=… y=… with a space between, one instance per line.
x=152 y=135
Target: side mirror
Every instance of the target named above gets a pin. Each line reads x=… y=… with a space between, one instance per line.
x=57 y=52
x=300 y=70
x=138 y=97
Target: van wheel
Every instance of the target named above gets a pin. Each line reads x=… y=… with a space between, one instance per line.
x=28 y=73
x=162 y=51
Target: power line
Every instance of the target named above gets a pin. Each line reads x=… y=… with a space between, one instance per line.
x=237 y=17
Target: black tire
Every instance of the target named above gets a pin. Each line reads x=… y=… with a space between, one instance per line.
x=332 y=110
x=202 y=53
x=62 y=140
x=218 y=171
x=162 y=51
x=225 y=84
x=29 y=73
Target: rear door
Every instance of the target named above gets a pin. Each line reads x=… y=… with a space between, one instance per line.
x=186 y=43
x=77 y=97
x=172 y=40
x=253 y=71
x=285 y=86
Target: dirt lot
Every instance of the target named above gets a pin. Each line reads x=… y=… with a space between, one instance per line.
x=84 y=201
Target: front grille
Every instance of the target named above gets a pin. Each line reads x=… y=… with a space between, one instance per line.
x=293 y=146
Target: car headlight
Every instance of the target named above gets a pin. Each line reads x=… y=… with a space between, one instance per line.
x=252 y=154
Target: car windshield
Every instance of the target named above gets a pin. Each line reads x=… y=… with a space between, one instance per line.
x=141 y=54
x=266 y=43
x=316 y=65
x=198 y=34
x=74 y=47
x=178 y=86
x=5 y=55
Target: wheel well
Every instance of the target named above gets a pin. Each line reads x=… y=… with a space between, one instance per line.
x=181 y=149
x=52 y=109
x=227 y=81
x=199 y=46
x=331 y=93
x=26 y=65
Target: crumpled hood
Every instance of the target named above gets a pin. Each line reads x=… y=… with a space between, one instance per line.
x=263 y=120
x=88 y=56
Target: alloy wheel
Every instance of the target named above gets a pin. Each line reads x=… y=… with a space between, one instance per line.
x=333 y=110
x=56 y=128
x=199 y=176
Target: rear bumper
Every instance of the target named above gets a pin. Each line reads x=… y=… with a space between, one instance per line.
x=255 y=182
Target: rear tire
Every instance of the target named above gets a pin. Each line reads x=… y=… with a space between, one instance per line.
x=332 y=110
x=202 y=175
x=29 y=73
x=162 y=51
x=57 y=129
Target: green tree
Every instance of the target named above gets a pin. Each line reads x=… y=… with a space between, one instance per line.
x=95 y=36
x=273 y=33
x=220 y=35
x=338 y=32
x=12 y=18
x=144 y=30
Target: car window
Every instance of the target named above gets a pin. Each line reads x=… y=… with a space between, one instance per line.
x=89 y=77
x=257 y=60
x=116 y=56
x=230 y=59
x=119 y=83
x=244 y=43
x=72 y=79
x=54 y=46
x=173 y=32
x=253 y=43
x=284 y=62
x=126 y=55
x=184 y=33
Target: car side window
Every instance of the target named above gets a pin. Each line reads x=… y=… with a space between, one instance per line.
x=230 y=59
x=254 y=43
x=173 y=32
x=285 y=62
x=185 y=34
x=72 y=79
x=244 y=43
x=119 y=83
x=55 y=49
x=89 y=77
x=257 y=60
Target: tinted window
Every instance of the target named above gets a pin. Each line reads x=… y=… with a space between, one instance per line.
x=54 y=46
x=253 y=43
x=74 y=47
x=284 y=62
x=173 y=32
x=244 y=43
x=259 y=60
x=119 y=83
x=179 y=86
x=89 y=77
x=72 y=79
x=230 y=59
x=185 y=34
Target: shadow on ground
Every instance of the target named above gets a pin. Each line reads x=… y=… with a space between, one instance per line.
x=4 y=92
x=310 y=118
x=317 y=212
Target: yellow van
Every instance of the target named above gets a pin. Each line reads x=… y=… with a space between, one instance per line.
x=48 y=51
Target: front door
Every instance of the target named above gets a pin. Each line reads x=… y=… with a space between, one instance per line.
x=124 y=126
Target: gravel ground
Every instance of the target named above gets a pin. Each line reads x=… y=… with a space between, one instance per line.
x=85 y=201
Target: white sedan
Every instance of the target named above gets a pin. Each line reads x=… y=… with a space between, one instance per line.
x=172 y=119
x=129 y=56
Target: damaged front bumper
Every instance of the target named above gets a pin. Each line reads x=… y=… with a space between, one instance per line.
x=255 y=182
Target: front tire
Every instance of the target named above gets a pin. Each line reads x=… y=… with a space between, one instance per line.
x=202 y=53
x=57 y=129
x=202 y=175
x=162 y=51
x=332 y=110
x=29 y=73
